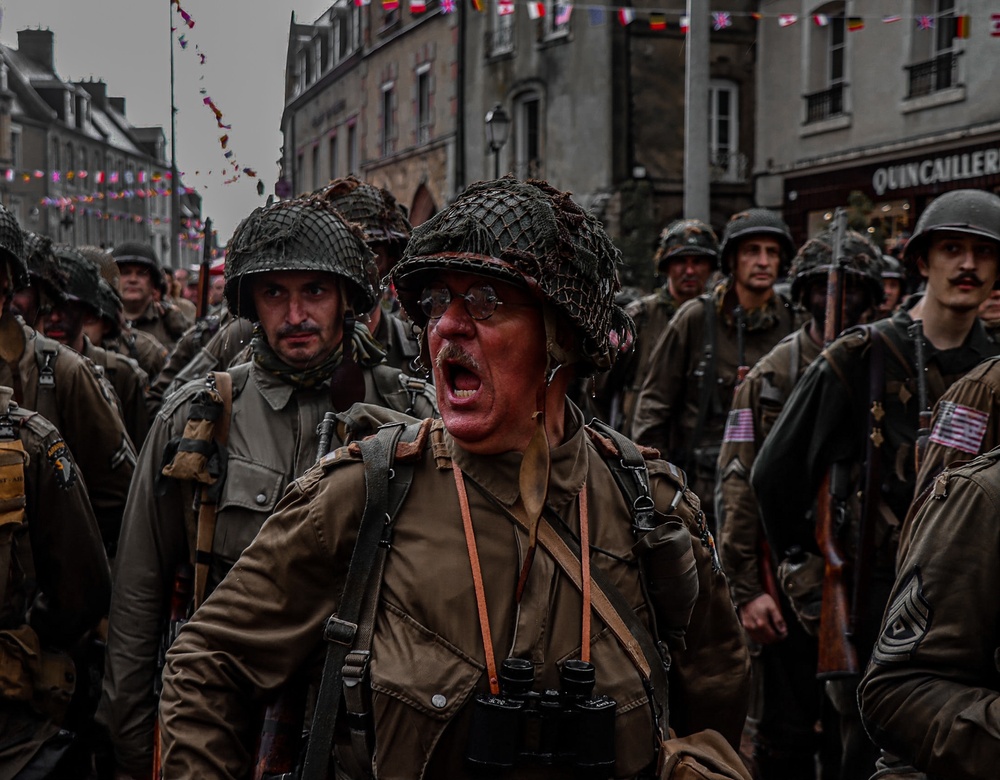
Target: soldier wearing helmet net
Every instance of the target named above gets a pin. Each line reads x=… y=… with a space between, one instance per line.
x=386 y=228
x=855 y=413
x=514 y=285
x=692 y=370
x=687 y=252
x=786 y=741
x=301 y=273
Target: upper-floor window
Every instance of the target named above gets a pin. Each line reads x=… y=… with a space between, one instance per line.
x=333 y=153
x=728 y=163
x=316 y=59
x=388 y=118
x=301 y=72
x=934 y=55
x=528 y=136
x=423 y=103
x=556 y=19
x=315 y=167
x=15 y=147
x=827 y=76
x=353 y=163
x=501 y=34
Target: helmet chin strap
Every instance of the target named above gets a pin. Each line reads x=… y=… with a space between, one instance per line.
x=557 y=356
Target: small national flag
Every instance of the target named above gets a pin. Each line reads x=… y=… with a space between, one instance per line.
x=390 y=5
x=892 y=18
x=626 y=16
x=739 y=426
x=504 y=7
x=596 y=16
x=821 y=20
x=563 y=12
x=960 y=427
x=721 y=20
x=447 y=6
x=963 y=26
x=536 y=10
x=787 y=20
x=855 y=23
x=419 y=6
x=925 y=22
x=657 y=22
x=685 y=24
x=995 y=25
x=756 y=15
x=479 y=5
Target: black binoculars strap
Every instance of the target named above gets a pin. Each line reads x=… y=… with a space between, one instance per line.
x=349 y=633
x=608 y=602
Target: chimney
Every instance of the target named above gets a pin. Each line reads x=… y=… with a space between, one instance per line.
x=38 y=46
x=97 y=90
x=118 y=104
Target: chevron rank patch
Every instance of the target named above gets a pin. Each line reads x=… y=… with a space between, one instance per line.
x=739 y=426
x=906 y=623
x=960 y=427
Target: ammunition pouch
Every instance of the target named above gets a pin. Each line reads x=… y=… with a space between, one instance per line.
x=671 y=577
x=196 y=455
x=43 y=679
x=801 y=579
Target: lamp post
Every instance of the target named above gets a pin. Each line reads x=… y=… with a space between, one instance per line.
x=497 y=128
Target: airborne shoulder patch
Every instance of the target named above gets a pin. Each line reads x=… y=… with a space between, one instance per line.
x=906 y=623
x=62 y=464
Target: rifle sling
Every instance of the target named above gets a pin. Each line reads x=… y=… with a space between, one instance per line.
x=706 y=381
x=341 y=629
x=873 y=477
x=207 y=506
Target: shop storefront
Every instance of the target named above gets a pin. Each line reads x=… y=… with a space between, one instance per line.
x=890 y=194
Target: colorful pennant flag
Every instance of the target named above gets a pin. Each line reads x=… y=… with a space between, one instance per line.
x=925 y=22
x=419 y=6
x=447 y=6
x=657 y=22
x=821 y=20
x=685 y=24
x=963 y=26
x=504 y=7
x=536 y=10
x=787 y=20
x=596 y=16
x=390 y=5
x=626 y=16
x=995 y=25
x=721 y=20
x=892 y=18
x=855 y=23
x=479 y=5
x=563 y=12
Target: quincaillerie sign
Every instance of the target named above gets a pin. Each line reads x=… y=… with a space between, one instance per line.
x=936 y=170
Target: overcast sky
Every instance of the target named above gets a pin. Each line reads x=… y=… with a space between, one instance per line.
x=126 y=43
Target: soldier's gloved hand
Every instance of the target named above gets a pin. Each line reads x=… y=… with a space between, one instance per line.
x=762 y=620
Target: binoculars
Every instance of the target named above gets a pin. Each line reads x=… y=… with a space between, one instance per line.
x=569 y=726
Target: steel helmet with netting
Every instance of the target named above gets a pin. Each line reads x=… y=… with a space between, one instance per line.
x=529 y=234
x=12 y=248
x=686 y=237
x=304 y=234
x=79 y=277
x=375 y=209
x=863 y=260
x=754 y=222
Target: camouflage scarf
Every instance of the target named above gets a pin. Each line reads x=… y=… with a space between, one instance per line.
x=367 y=352
x=762 y=318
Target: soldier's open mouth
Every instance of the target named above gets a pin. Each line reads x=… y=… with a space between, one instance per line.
x=464 y=383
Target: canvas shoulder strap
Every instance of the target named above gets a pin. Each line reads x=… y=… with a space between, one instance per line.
x=350 y=632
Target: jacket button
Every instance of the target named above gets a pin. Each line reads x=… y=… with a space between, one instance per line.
x=261 y=498
x=438 y=701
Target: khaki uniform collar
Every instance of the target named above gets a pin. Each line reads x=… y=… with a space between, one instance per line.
x=499 y=473
x=276 y=392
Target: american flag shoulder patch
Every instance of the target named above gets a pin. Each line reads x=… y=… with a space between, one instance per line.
x=960 y=427
x=739 y=426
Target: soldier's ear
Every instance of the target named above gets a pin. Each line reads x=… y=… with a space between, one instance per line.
x=922 y=266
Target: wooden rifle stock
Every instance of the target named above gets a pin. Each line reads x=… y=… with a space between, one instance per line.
x=837 y=655
x=280 y=744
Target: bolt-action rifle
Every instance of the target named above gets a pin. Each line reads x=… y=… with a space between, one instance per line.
x=204 y=274
x=916 y=332
x=180 y=604
x=837 y=655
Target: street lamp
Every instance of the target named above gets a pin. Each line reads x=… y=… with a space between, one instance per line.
x=497 y=128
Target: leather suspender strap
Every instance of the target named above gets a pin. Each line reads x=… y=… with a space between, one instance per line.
x=341 y=629
x=608 y=602
x=208 y=506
